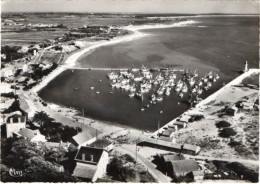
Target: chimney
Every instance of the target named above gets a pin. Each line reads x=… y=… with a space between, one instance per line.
x=11 y=120
x=83 y=157
x=19 y=119
x=91 y=158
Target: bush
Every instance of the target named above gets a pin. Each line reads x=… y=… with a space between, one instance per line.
x=223 y=124
x=123 y=169
x=242 y=170
x=227 y=132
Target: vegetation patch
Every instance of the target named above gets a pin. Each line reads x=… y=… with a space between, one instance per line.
x=123 y=168
x=223 y=124
x=227 y=132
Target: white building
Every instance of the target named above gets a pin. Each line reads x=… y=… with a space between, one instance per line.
x=91 y=163
x=14 y=124
x=84 y=138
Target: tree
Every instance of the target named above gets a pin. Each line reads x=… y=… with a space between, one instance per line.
x=227 y=132
x=223 y=124
x=42 y=119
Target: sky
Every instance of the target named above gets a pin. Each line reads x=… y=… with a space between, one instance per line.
x=133 y=6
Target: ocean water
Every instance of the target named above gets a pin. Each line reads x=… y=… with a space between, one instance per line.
x=221 y=44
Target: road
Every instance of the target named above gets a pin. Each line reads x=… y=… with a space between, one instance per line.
x=158 y=176
x=242 y=161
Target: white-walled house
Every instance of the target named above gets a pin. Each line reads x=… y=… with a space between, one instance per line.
x=14 y=124
x=91 y=163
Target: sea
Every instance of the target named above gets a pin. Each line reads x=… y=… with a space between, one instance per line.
x=221 y=44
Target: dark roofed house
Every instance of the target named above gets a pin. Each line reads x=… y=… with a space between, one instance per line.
x=182 y=168
x=91 y=163
x=85 y=137
x=172 y=157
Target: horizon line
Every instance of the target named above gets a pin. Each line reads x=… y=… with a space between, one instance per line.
x=82 y=12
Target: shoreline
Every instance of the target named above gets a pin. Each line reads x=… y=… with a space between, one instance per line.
x=212 y=97
x=71 y=60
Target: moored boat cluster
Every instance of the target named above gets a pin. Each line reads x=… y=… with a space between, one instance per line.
x=161 y=85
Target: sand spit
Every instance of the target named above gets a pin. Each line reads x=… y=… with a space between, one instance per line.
x=214 y=96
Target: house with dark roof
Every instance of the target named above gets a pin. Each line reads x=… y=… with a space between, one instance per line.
x=91 y=163
x=84 y=138
x=32 y=135
x=182 y=168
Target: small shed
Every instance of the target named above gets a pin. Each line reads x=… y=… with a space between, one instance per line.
x=167 y=133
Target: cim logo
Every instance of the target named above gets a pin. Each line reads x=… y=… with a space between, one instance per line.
x=17 y=173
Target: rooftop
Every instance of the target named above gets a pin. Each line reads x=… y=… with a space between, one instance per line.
x=88 y=171
x=89 y=154
x=84 y=136
x=100 y=143
x=184 y=166
x=172 y=145
x=28 y=133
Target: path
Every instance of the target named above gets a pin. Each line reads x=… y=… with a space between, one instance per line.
x=158 y=176
x=242 y=161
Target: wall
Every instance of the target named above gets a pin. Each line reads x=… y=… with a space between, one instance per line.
x=13 y=127
x=102 y=166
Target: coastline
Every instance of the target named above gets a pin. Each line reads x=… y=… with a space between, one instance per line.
x=59 y=112
x=212 y=97
x=72 y=59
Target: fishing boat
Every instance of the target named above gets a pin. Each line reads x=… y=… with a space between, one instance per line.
x=185 y=89
x=159 y=98
x=138 y=79
x=217 y=76
x=131 y=95
x=200 y=82
x=153 y=97
x=205 y=80
x=195 y=74
x=199 y=91
x=168 y=91
x=210 y=75
x=177 y=89
x=181 y=95
x=112 y=76
x=192 y=82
